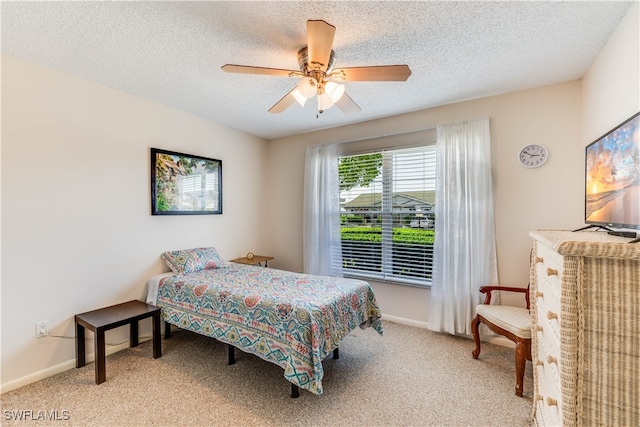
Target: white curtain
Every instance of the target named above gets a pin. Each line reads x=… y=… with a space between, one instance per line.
x=464 y=246
x=321 y=216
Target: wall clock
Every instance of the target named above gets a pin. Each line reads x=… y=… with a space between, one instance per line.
x=533 y=155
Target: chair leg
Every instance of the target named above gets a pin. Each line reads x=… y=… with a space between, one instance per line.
x=521 y=360
x=475 y=324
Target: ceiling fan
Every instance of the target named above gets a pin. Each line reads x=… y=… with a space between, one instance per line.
x=317 y=75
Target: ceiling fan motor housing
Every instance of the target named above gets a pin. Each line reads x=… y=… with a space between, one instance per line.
x=307 y=69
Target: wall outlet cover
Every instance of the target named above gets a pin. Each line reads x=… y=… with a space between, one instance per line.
x=42 y=329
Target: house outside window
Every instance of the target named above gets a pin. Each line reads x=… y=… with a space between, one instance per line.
x=387 y=201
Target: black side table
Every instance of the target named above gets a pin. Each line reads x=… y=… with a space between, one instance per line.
x=112 y=317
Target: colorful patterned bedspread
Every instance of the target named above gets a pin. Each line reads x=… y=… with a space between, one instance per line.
x=291 y=319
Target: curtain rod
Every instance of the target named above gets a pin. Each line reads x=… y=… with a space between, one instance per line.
x=384 y=135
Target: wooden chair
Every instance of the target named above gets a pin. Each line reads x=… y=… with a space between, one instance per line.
x=511 y=322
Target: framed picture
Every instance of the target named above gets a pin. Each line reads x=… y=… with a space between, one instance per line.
x=183 y=184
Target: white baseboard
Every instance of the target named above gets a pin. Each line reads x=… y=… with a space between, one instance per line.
x=62 y=367
x=492 y=339
x=405 y=321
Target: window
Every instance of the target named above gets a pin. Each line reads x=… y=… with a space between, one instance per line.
x=387 y=201
x=197 y=191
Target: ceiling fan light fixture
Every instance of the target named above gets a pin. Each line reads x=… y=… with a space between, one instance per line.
x=308 y=87
x=334 y=91
x=324 y=102
x=298 y=96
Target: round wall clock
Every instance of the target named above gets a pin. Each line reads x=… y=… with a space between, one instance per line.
x=533 y=155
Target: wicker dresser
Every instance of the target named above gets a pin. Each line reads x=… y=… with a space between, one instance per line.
x=585 y=308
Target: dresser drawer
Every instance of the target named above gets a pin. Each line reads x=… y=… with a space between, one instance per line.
x=549 y=264
x=547 y=399
x=548 y=356
x=546 y=360
x=548 y=307
x=551 y=413
x=549 y=342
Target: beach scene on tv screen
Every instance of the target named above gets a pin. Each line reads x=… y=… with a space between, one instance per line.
x=613 y=177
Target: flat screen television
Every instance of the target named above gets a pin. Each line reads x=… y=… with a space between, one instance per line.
x=612 y=177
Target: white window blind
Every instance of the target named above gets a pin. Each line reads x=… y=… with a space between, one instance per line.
x=197 y=191
x=387 y=203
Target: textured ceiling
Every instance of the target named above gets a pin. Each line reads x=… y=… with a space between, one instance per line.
x=171 y=52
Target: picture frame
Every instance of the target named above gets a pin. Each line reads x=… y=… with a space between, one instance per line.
x=185 y=184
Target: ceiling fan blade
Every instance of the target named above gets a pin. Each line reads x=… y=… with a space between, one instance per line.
x=247 y=69
x=319 y=43
x=284 y=103
x=375 y=73
x=347 y=105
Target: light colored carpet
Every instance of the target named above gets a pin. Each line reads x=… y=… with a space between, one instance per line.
x=408 y=377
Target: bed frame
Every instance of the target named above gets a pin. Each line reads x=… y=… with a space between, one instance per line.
x=231 y=353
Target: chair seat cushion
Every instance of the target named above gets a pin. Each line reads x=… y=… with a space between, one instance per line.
x=513 y=319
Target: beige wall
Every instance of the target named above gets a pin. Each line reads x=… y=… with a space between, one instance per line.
x=77 y=233
x=611 y=87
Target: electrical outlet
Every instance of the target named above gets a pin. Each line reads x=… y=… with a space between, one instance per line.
x=42 y=329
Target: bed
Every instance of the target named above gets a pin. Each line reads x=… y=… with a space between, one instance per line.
x=293 y=320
